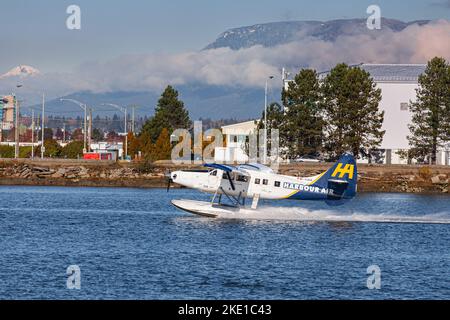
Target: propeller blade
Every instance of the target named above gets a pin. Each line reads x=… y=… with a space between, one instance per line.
x=169 y=180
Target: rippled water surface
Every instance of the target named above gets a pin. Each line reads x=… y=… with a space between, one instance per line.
x=132 y=244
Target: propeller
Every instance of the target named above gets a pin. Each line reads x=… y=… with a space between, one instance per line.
x=169 y=179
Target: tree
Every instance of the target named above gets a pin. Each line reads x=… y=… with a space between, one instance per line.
x=52 y=149
x=48 y=134
x=73 y=150
x=133 y=144
x=353 y=120
x=112 y=136
x=303 y=129
x=170 y=113
x=275 y=120
x=146 y=145
x=59 y=134
x=6 y=151
x=78 y=135
x=163 y=148
x=430 y=127
x=97 y=135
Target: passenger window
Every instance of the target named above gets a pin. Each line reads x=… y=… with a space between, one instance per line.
x=257 y=181
x=265 y=182
x=242 y=178
x=277 y=184
x=213 y=173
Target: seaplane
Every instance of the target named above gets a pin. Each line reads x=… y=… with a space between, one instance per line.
x=230 y=186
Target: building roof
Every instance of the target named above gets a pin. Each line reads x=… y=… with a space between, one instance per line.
x=395 y=72
x=239 y=124
x=242 y=128
x=402 y=73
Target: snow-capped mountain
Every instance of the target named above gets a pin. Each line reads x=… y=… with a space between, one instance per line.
x=276 y=33
x=21 y=71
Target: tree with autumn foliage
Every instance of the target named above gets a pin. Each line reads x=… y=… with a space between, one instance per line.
x=162 y=149
x=134 y=145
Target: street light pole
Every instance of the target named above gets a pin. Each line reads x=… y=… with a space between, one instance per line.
x=16 y=131
x=64 y=132
x=43 y=127
x=265 y=118
x=84 y=107
x=32 y=133
x=133 y=120
x=17 y=123
x=124 y=110
x=85 y=130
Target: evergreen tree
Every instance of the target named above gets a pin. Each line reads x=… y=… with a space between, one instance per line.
x=303 y=129
x=170 y=113
x=353 y=121
x=430 y=127
x=98 y=135
x=275 y=120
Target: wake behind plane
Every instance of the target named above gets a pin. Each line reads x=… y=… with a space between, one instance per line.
x=236 y=184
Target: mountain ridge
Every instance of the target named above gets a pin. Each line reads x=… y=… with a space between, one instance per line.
x=281 y=32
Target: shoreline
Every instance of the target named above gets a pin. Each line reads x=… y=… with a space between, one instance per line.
x=72 y=173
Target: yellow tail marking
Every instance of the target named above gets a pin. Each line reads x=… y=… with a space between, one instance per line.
x=348 y=169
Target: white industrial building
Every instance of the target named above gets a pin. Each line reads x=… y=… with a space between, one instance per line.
x=236 y=136
x=398 y=83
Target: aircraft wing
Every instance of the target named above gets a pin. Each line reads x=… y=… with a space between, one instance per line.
x=226 y=168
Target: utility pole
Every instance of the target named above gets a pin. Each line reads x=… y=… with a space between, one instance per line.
x=125 y=111
x=133 y=118
x=43 y=127
x=32 y=133
x=85 y=130
x=16 y=131
x=265 y=119
x=90 y=130
x=133 y=108
x=64 y=132
x=84 y=107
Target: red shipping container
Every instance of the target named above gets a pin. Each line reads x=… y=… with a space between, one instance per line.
x=91 y=156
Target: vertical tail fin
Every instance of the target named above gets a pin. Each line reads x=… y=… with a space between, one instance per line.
x=340 y=180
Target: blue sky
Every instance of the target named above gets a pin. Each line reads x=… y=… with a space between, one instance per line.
x=34 y=32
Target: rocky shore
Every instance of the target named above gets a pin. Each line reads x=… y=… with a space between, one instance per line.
x=372 y=178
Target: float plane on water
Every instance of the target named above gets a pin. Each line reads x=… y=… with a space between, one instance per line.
x=255 y=181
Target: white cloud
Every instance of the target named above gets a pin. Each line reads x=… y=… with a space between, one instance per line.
x=249 y=67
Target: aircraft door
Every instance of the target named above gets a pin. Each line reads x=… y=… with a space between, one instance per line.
x=214 y=180
x=242 y=183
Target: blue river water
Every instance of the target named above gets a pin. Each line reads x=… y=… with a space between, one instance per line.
x=132 y=244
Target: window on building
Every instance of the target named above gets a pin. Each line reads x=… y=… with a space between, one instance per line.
x=265 y=182
x=242 y=138
x=404 y=106
x=257 y=181
x=277 y=184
